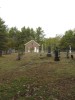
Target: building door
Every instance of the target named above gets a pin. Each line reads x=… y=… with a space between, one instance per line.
x=35 y=49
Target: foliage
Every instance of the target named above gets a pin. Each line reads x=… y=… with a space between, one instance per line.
x=39 y=35
x=27 y=34
x=3 y=36
x=68 y=39
x=15 y=39
x=52 y=42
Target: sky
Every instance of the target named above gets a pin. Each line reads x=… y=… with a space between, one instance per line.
x=54 y=16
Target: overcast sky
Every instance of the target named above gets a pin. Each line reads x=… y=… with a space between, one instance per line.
x=54 y=16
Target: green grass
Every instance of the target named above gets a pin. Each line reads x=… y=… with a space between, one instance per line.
x=36 y=78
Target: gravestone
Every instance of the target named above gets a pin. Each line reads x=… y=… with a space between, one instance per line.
x=72 y=57
x=70 y=52
x=49 y=52
x=56 y=52
x=70 y=49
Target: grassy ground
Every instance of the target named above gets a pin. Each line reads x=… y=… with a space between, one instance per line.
x=37 y=77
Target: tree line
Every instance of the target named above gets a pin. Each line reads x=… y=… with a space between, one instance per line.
x=63 y=42
x=15 y=39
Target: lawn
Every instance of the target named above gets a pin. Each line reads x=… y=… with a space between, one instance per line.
x=37 y=77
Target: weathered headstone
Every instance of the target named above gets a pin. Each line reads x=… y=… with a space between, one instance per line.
x=70 y=52
x=70 y=49
x=56 y=52
x=49 y=52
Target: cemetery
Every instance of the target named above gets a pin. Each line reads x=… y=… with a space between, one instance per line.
x=33 y=67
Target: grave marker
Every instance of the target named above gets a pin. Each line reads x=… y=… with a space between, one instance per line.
x=56 y=52
x=49 y=52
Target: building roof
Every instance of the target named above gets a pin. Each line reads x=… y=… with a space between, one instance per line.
x=32 y=41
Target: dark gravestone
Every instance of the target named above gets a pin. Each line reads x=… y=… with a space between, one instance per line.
x=56 y=52
x=49 y=52
x=72 y=56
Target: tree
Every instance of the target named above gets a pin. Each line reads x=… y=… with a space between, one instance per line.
x=32 y=33
x=3 y=36
x=14 y=37
x=39 y=35
x=68 y=39
x=27 y=34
